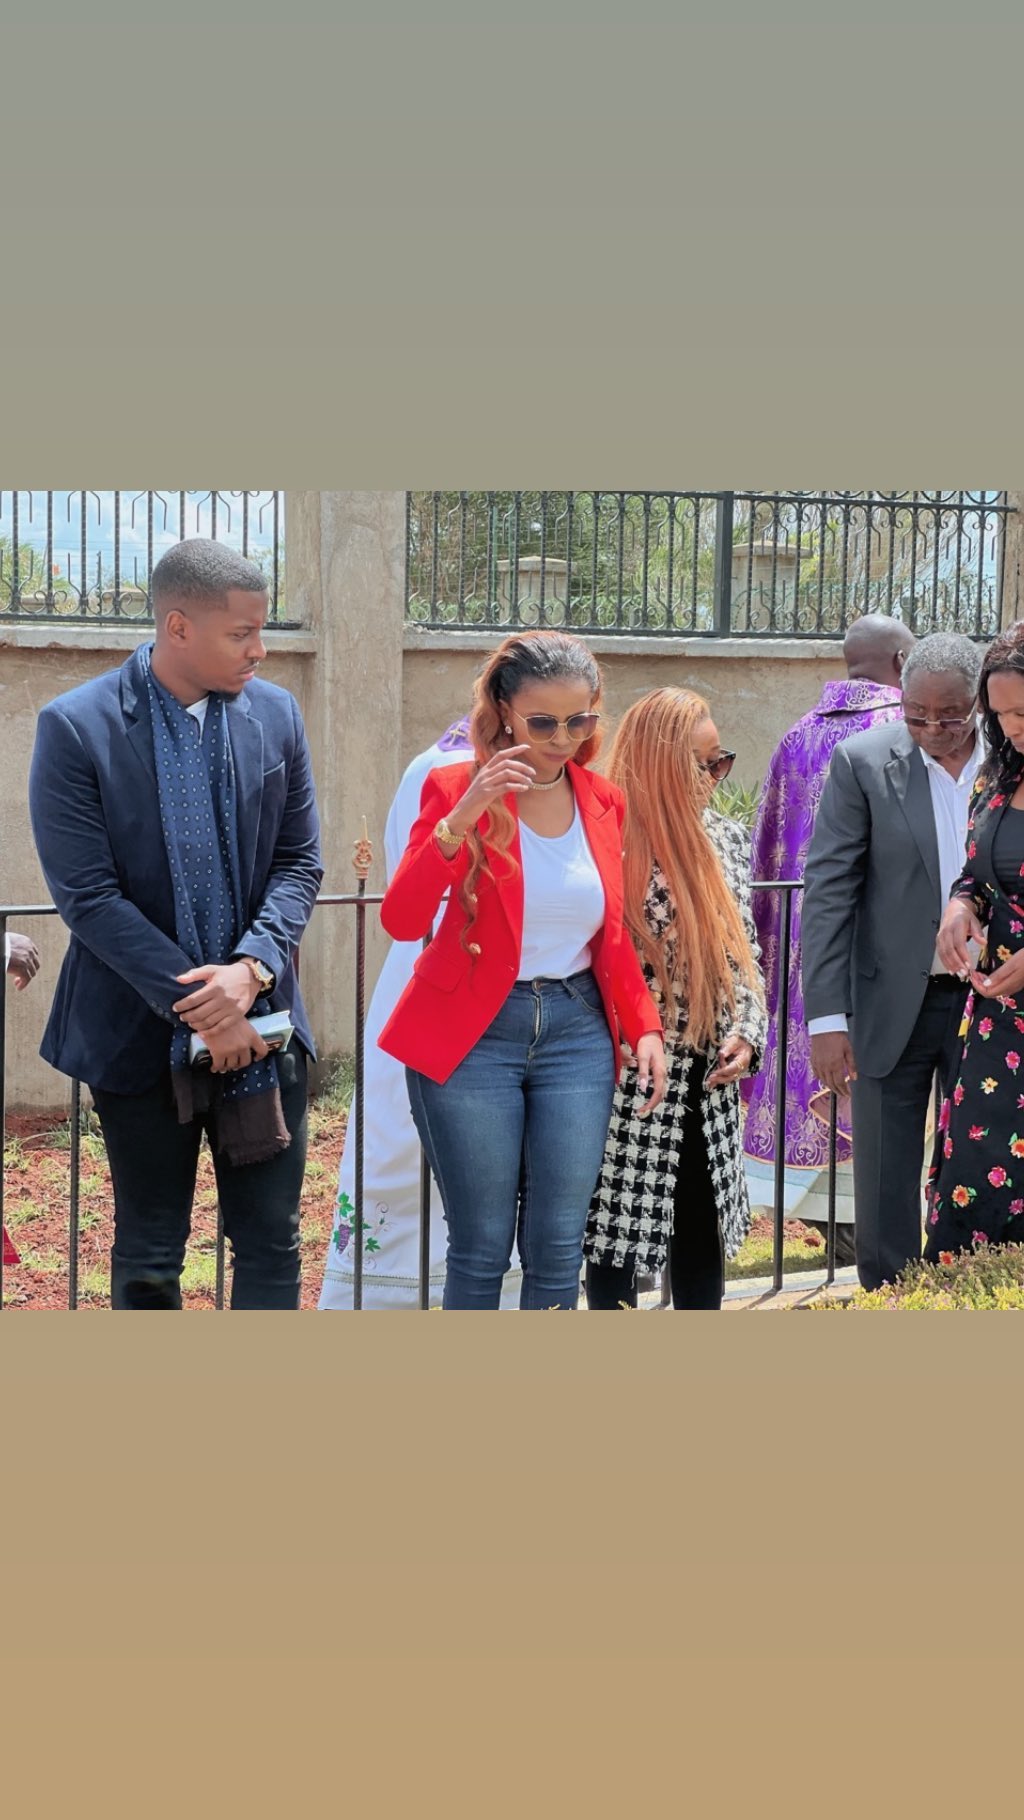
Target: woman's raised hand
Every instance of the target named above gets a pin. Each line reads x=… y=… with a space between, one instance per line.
x=506 y=771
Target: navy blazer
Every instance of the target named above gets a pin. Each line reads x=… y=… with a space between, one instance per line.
x=96 y=820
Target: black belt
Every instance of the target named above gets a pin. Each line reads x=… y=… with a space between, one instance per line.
x=949 y=982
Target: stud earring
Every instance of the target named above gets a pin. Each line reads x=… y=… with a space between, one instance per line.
x=507 y=728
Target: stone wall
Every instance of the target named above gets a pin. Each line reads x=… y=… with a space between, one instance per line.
x=756 y=688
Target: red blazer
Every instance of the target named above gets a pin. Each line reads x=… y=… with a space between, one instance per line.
x=453 y=996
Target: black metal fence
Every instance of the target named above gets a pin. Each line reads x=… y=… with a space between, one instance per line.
x=89 y=556
x=738 y=564
x=359 y=902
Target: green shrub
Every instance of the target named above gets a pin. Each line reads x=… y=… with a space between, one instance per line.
x=990 y=1277
x=737 y=801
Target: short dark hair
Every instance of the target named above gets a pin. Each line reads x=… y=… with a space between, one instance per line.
x=201 y=569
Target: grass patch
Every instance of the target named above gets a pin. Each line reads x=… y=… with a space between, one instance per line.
x=315 y=1231
x=335 y=1094
x=48 y=1263
x=22 y=1213
x=91 y=1147
x=14 y=1155
x=94 y=1284
x=200 y=1273
x=754 y=1258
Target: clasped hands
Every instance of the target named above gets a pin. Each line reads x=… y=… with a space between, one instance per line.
x=218 y=1012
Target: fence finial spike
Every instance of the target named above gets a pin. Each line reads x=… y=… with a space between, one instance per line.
x=362 y=854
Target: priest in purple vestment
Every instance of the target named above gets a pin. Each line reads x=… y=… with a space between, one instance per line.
x=874 y=651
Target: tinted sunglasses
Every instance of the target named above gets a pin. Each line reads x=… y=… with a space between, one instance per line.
x=719 y=767
x=541 y=727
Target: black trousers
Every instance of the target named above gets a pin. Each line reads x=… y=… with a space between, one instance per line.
x=153 y=1161
x=696 y=1256
x=889 y=1118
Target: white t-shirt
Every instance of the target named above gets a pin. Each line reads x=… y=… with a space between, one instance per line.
x=563 y=903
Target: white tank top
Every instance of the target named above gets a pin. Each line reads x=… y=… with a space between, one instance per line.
x=563 y=903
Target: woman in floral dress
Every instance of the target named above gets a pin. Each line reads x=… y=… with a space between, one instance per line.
x=976 y=1192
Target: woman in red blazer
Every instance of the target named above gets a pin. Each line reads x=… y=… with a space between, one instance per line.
x=510 y=1027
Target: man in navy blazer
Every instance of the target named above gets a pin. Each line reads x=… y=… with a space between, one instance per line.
x=175 y=817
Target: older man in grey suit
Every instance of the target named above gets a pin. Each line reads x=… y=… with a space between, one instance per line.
x=882 y=1012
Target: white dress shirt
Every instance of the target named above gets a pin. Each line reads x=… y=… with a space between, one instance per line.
x=951 y=797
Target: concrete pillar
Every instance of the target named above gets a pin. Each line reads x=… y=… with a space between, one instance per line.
x=1013 y=558
x=346 y=570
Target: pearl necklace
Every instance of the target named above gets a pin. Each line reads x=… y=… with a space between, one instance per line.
x=551 y=785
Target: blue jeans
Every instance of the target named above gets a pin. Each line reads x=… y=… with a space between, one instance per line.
x=515 y=1139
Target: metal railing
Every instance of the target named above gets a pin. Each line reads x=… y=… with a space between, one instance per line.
x=88 y=556
x=726 y=564
x=358 y=902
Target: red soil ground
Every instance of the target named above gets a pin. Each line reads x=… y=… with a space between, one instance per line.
x=36 y=1214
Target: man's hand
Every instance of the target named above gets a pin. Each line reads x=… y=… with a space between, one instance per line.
x=234 y=1045
x=225 y=994
x=832 y=1060
x=23 y=964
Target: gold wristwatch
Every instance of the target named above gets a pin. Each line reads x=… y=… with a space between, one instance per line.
x=447 y=835
x=265 y=980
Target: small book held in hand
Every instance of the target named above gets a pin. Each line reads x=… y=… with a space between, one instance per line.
x=275 y=1028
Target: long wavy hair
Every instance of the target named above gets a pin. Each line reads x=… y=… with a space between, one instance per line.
x=1005 y=656
x=527 y=657
x=705 y=947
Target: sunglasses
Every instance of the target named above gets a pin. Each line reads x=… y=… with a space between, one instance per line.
x=719 y=767
x=541 y=727
x=944 y=726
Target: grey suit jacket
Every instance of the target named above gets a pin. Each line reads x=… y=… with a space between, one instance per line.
x=872 y=895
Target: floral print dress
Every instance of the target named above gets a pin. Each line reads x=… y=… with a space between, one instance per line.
x=976 y=1185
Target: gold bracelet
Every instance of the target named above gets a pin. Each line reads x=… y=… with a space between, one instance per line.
x=447 y=836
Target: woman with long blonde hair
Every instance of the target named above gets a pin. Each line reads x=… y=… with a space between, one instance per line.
x=674 y=1185
x=509 y=1029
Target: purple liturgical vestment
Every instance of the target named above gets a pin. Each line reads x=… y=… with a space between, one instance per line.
x=782 y=834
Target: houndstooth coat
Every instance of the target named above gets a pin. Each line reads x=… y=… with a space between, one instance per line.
x=631 y=1213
